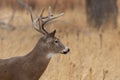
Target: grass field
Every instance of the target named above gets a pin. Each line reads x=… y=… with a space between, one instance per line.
x=90 y=58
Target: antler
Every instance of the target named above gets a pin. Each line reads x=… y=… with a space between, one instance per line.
x=39 y=22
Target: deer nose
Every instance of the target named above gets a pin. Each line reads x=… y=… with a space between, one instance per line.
x=66 y=50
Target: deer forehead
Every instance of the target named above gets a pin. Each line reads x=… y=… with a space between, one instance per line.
x=51 y=39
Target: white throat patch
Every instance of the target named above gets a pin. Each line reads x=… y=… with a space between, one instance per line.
x=49 y=55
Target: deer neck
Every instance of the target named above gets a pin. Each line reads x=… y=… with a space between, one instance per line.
x=37 y=59
x=38 y=52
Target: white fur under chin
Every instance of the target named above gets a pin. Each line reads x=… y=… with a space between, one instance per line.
x=49 y=55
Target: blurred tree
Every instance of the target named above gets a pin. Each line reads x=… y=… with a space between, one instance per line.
x=100 y=12
x=32 y=3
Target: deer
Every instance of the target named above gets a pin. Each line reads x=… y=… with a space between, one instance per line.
x=32 y=65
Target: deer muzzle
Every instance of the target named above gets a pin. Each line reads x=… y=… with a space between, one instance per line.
x=66 y=50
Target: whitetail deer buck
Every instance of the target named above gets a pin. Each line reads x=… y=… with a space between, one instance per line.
x=32 y=65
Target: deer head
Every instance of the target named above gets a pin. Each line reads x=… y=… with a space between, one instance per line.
x=49 y=42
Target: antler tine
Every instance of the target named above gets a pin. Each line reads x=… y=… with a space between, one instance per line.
x=41 y=13
x=50 y=18
x=50 y=12
x=44 y=22
x=30 y=10
x=34 y=21
x=40 y=20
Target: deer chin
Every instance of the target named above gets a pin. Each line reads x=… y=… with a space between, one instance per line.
x=65 y=51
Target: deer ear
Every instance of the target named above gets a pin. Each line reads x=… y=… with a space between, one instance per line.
x=52 y=34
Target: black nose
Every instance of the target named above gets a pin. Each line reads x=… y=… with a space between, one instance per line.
x=65 y=52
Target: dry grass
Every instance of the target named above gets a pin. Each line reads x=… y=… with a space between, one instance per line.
x=88 y=59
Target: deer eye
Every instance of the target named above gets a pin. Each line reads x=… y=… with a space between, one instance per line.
x=56 y=41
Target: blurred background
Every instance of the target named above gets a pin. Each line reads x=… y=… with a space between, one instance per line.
x=90 y=28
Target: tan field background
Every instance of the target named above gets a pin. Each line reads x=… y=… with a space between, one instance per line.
x=90 y=57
